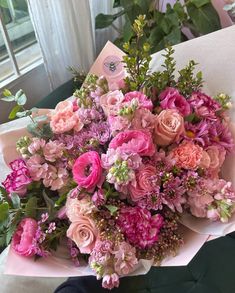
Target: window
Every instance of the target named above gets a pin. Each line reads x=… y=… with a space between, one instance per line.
x=19 y=50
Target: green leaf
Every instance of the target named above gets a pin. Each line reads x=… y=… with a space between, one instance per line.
x=200 y=3
x=112 y=209
x=174 y=37
x=3 y=193
x=40 y=118
x=30 y=208
x=8 y=99
x=15 y=200
x=4 y=4
x=23 y=113
x=46 y=131
x=16 y=109
x=32 y=128
x=127 y=30
x=50 y=204
x=116 y=3
x=4 y=211
x=179 y=9
x=20 y=98
x=205 y=18
x=7 y=93
x=105 y=20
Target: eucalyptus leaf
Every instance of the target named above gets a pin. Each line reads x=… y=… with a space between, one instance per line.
x=13 y=112
x=40 y=118
x=21 y=100
x=7 y=93
x=8 y=99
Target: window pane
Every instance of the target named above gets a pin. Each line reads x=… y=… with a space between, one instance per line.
x=6 y=69
x=21 y=32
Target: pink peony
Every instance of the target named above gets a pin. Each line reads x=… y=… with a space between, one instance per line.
x=171 y=99
x=169 y=126
x=87 y=170
x=124 y=258
x=110 y=281
x=143 y=235
x=83 y=232
x=144 y=101
x=18 y=180
x=144 y=182
x=134 y=141
x=37 y=167
x=53 y=150
x=55 y=178
x=111 y=102
x=65 y=119
x=187 y=155
x=75 y=208
x=36 y=145
x=23 y=238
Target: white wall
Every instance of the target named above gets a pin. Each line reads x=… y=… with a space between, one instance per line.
x=34 y=83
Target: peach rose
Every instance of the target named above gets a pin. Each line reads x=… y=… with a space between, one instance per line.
x=64 y=118
x=78 y=207
x=169 y=125
x=84 y=233
x=111 y=102
x=217 y=157
x=205 y=160
x=188 y=155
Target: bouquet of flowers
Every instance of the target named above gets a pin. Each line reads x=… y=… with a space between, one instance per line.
x=108 y=173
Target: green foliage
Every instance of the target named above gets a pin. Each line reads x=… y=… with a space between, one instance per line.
x=112 y=209
x=31 y=207
x=163 y=28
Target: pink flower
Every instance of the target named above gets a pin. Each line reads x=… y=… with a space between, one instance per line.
x=111 y=102
x=187 y=155
x=134 y=141
x=53 y=150
x=87 y=170
x=22 y=241
x=217 y=157
x=118 y=123
x=124 y=258
x=171 y=99
x=144 y=101
x=110 y=281
x=169 y=126
x=143 y=235
x=18 y=180
x=55 y=178
x=75 y=208
x=205 y=160
x=37 y=167
x=98 y=197
x=36 y=145
x=143 y=119
x=83 y=232
x=64 y=118
x=144 y=183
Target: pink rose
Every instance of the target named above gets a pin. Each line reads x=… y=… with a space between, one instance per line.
x=205 y=160
x=144 y=101
x=75 y=208
x=111 y=102
x=22 y=241
x=187 y=155
x=87 y=170
x=53 y=150
x=65 y=119
x=134 y=141
x=83 y=232
x=169 y=126
x=217 y=157
x=171 y=99
x=144 y=182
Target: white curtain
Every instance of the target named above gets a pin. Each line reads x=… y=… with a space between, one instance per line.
x=65 y=30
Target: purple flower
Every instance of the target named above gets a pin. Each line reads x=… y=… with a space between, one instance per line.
x=101 y=132
x=197 y=132
x=98 y=198
x=18 y=179
x=88 y=115
x=171 y=99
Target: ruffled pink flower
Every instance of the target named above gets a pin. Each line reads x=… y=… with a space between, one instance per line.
x=55 y=178
x=64 y=118
x=217 y=156
x=98 y=197
x=144 y=183
x=118 y=123
x=23 y=239
x=144 y=101
x=124 y=258
x=187 y=155
x=53 y=150
x=110 y=281
x=18 y=180
x=143 y=119
x=84 y=233
x=134 y=141
x=87 y=170
x=36 y=145
x=37 y=167
x=171 y=99
x=143 y=235
x=111 y=102
x=169 y=126
x=75 y=208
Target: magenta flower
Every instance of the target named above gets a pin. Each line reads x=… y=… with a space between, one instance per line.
x=18 y=180
x=110 y=281
x=171 y=99
x=144 y=101
x=134 y=141
x=23 y=239
x=145 y=233
x=87 y=170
